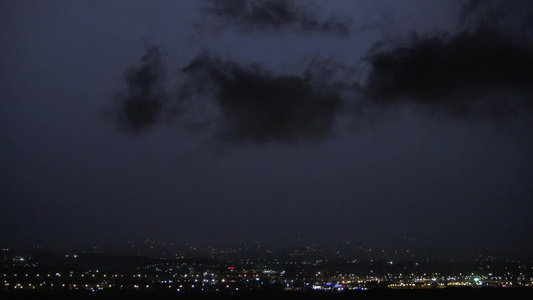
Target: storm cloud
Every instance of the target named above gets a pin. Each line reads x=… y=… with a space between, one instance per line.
x=142 y=99
x=259 y=106
x=480 y=70
x=461 y=73
x=254 y=15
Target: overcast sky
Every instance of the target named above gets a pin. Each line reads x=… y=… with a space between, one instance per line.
x=267 y=120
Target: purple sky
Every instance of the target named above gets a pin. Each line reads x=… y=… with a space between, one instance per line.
x=444 y=157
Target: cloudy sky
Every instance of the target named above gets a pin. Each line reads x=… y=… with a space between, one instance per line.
x=267 y=120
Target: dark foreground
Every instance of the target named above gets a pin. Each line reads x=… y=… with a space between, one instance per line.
x=449 y=293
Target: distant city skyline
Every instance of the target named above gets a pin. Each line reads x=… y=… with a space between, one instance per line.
x=43 y=272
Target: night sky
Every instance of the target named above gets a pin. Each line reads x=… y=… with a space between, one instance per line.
x=269 y=120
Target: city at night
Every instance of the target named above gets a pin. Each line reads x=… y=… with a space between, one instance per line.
x=266 y=149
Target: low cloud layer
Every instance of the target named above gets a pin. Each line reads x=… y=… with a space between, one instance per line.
x=254 y=15
x=259 y=106
x=141 y=101
x=453 y=72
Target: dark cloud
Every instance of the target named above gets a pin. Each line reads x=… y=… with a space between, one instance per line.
x=252 y=15
x=259 y=106
x=459 y=73
x=477 y=71
x=141 y=101
x=513 y=17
